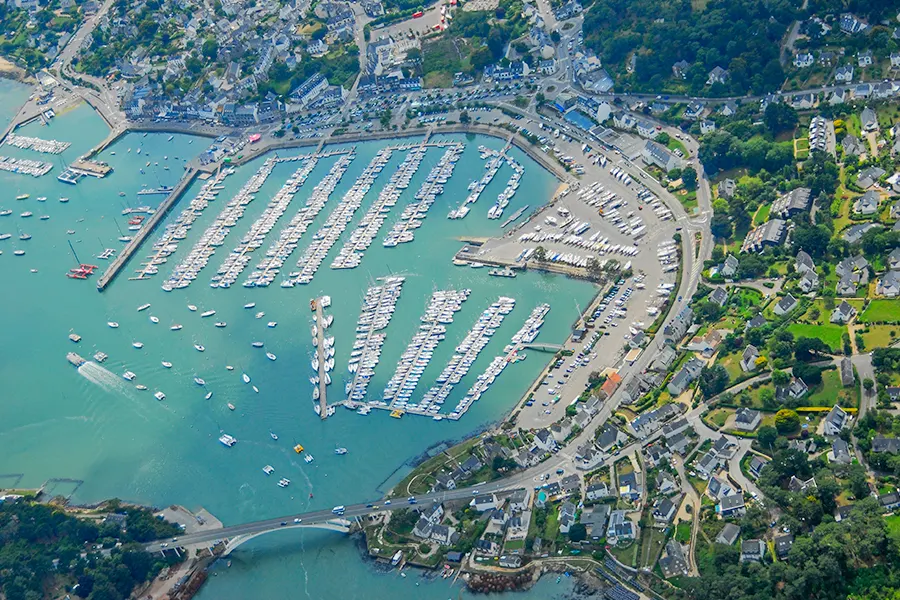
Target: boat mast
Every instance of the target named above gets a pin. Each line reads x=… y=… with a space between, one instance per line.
x=73 y=251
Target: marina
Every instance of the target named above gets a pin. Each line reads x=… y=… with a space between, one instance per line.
x=323 y=362
x=412 y=216
x=476 y=188
x=350 y=255
x=25 y=166
x=526 y=335
x=214 y=236
x=379 y=305
x=282 y=248
x=36 y=144
x=466 y=353
x=438 y=314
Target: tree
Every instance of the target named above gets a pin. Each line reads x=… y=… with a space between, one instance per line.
x=540 y=254
x=766 y=436
x=713 y=380
x=767 y=397
x=780 y=377
x=555 y=36
x=811 y=239
x=868 y=385
x=708 y=311
x=689 y=178
x=210 y=48
x=810 y=374
x=463 y=116
x=721 y=226
x=787 y=421
x=577 y=532
x=780 y=117
x=806 y=348
x=859 y=484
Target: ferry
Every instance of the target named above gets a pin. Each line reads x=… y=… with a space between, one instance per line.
x=199 y=381
x=159 y=396
x=138 y=345
x=207 y=313
x=113 y=325
x=128 y=376
x=75 y=337
x=340 y=451
x=143 y=307
x=199 y=347
x=268 y=469
x=167 y=364
x=270 y=356
x=228 y=440
x=175 y=327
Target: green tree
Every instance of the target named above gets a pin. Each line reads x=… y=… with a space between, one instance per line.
x=578 y=532
x=787 y=421
x=780 y=117
x=540 y=254
x=766 y=436
x=713 y=380
x=689 y=178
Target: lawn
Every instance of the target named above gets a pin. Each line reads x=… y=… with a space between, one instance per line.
x=732 y=364
x=893 y=524
x=627 y=555
x=762 y=214
x=675 y=144
x=880 y=336
x=830 y=334
x=624 y=467
x=881 y=311
x=718 y=416
x=831 y=392
x=652 y=540
x=683 y=532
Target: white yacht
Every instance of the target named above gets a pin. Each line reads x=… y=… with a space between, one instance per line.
x=138 y=345
x=167 y=364
x=154 y=319
x=245 y=377
x=199 y=347
x=159 y=396
x=199 y=380
x=175 y=327
x=270 y=356
x=113 y=325
x=129 y=376
x=207 y=313
x=227 y=440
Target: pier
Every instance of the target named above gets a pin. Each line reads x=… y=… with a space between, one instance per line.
x=321 y=358
x=90 y=167
x=149 y=225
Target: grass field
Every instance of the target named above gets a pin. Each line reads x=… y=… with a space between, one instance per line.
x=830 y=334
x=718 y=416
x=626 y=555
x=893 y=524
x=683 y=532
x=831 y=392
x=881 y=311
x=879 y=336
x=762 y=214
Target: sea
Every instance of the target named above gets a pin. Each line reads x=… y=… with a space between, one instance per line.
x=89 y=435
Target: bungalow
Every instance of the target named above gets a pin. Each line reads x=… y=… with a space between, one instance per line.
x=747 y=419
x=664 y=512
x=729 y=534
x=835 y=421
x=840 y=452
x=792 y=203
x=731 y=505
x=785 y=305
x=597 y=491
x=888 y=284
x=783 y=545
x=748 y=358
x=847 y=378
x=842 y=313
x=755 y=322
x=771 y=233
x=753 y=550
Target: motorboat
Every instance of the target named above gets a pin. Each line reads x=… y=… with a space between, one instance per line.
x=340 y=451
x=221 y=324
x=199 y=381
x=208 y=396
x=113 y=325
x=175 y=327
x=128 y=376
x=141 y=387
x=138 y=345
x=230 y=406
x=273 y=436
x=229 y=368
x=245 y=377
x=260 y=315
x=159 y=396
x=270 y=356
x=308 y=458
x=257 y=344
x=271 y=324
x=250 y=305
x=167 y=364
x=199 y=347
x=143 y=307
x=227 y=440
x=154 y=319
x=255 y=389
x=268 y=469
x=192 y=308
x=207 y=313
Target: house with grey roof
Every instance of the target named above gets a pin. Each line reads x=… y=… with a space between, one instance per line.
x=673 y=564
x=664 y=512
x=792 y=203
x=729 y=267
x=888 y=284
x=732 y=505
x=868 y=118
x=620 y=527
x=729 y=534
x=783 y=544
x=867 y=204
x=595 y=519
x=665 y=356
x=726 y=188
x=803 y=263
x=753 y=550
x=842 y=313
x=675 y=331
x=785 y=305
x=854 y=233
x=685 y=376
x=678 y=443
x=847 y=378
x=597 y=491
x=656 y=154
x=869 y=177
x=748 y=358
x=756 y=465
x=885 y=444
x=771 y=233
x=808 y=282
x=719 y=296
x=747 y=419
x=835 y=421
x=840 y=452
x=893 y=260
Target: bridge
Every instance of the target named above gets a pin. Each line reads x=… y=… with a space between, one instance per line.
x=236 y=535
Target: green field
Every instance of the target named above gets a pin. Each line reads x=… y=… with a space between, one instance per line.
x=831 y=392
x=880 y=336
x=881 y=311
x=762 y=214
x=830 y=334
x=683 y=532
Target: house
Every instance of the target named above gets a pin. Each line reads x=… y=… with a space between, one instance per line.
x=842 y=313
x=783 y=545
x=673 y=564
x=771 y=233
x=889 y=502
x=804 y=59
x=895 y=60
x=519 y=500
x=893 y=259
x=675 y=331
x=852 y=146
x=869 y=119
x=629 y=487
x=729 y=109
x=470 y=465
x=804 y=263
x=792 y=203
x=853 y=265
x=785 y=305
x=729 y=534
x=731 y=505
x=756 y=465
x=755 y=322
x=609 y=386
x=597 y=491
x=809 y=282
x=717 y=75
x=707 y=126
x=571 y=484
x=803 y=101
x=862 y=91
x=869 y=177
x=748 y=358
x=664 y=512
x=620 y=527
x=511 y=561
x=729 y=267
x=694 y=110
x=854 y=233
x=609 y=436
x=851 y=25
x=310 y=89
x=594 y=520
x=753 y=550
x=445 y=481
x=726 y=188
x=656 y=154
x=484 y=502
x=665 y=356
x=796 y=389
x=747 y=419
x=835 y=421
x=656 y=453
x=844 y=74
x=566 y=517
x=685 y=376
x=486 y=547
x=884 y=444
x=646 y=129
x=708 y=464
x=840 y=452
x=665 y=483
x=680 y=68
x=864 y=58
x=561 y=429
x=543 y=439
x=675 y=427
x=888 y=284
x=678 y=443
x=707 y=343
x=719 y=296
x=847 y=378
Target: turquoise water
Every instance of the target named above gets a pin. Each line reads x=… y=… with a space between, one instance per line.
x=91 y=425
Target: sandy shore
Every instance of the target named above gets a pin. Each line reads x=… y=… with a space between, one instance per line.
x=11 y=71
